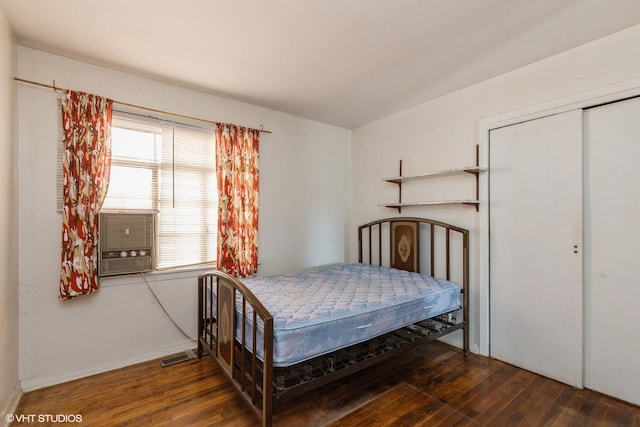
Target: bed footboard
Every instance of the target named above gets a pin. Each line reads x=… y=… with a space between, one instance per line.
x=218 y=336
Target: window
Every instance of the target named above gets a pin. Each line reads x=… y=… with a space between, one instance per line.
x=169 y=168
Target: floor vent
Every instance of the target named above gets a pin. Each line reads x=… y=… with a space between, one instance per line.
x=178 y=358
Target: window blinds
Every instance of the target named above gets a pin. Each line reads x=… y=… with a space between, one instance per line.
x=188 y=196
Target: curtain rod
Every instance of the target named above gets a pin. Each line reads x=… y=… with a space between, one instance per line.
x=126 y=104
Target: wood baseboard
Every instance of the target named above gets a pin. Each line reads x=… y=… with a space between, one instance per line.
x=11 y=405
x=34 y=383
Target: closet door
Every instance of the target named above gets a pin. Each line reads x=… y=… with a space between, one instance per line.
x=535 y=184
x=612 y=253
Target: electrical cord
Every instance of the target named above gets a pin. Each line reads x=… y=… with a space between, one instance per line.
x=165 y=310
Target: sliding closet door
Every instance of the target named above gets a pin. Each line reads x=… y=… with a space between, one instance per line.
x=535 y=184
x=612 y=250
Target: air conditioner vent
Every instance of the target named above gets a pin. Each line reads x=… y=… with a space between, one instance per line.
x=126 y=243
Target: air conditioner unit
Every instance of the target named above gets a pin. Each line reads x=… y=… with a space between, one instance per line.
x=126 y=243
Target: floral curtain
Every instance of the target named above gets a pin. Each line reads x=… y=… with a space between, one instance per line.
x=237 y=169
x=86 y=163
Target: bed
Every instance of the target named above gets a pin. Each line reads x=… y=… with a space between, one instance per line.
x=276 y=337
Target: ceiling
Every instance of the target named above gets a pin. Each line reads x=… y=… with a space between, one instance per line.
x=343 y=62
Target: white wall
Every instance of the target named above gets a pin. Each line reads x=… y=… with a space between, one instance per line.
x=9 y=388
x=303 y=209
x=443 y=133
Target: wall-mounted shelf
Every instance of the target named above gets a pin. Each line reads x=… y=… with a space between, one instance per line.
x=473 y=170
x=433 y=202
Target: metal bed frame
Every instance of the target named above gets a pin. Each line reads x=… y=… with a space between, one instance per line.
x=261 y=384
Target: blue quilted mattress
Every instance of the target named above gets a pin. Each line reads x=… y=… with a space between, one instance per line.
x=319 y=311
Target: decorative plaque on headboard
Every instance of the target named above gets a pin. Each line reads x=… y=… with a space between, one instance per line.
x=404 y=246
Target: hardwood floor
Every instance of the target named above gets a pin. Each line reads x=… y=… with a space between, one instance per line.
x=432 y=385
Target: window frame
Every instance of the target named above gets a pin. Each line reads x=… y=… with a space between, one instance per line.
x=208 y=245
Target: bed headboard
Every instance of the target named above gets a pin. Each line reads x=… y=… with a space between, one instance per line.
x=416 y=244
